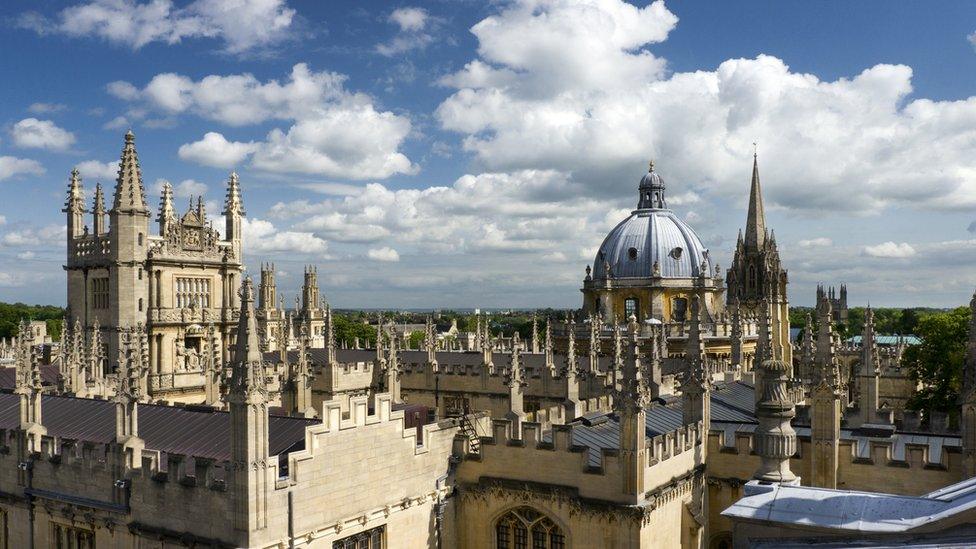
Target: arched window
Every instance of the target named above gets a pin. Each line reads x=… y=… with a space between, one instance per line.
x=631 y=307
x=752 y=277
x=680 y=310
x=519 y=527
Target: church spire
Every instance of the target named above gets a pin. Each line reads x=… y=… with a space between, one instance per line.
x=756 y=220
x=74 y=205
x=130 y=196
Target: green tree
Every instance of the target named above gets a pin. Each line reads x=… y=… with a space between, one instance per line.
x=349 y=327
x=937 y=362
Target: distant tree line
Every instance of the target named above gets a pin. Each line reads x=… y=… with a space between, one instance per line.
x=12 y=313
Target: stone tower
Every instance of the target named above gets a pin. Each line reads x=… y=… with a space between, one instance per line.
x=756 y=272
x=869 y=372
x=128 y=231
x=630 y=396
x=248 y=398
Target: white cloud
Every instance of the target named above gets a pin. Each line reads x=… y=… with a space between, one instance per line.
x=261 y=237
x=385 y=253
x=11 y=166
x=972 y=39
x=12 y=280
x=214 y=150
x=412 y=22
x=410 y=19
x=46 y=108
x=187 y=188
x=26 y=255
x=102 y=171
x=241 y=25
x=571 y=85
x=49 y=235
x=815 y=242
x=41 y=134
x=117 y=123
x=3 y=220
x=890 y=250
x=123 y=90
x=336 y=133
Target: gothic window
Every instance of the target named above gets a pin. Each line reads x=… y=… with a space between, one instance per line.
x=517 y=528
x=752 y=277
x=71 y=537
x=370 y=539
x=100 y=293
x=680 y=309
x=192 y=291
x=631 y=307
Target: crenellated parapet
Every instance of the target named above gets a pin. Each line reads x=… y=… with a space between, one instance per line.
x=553 y=456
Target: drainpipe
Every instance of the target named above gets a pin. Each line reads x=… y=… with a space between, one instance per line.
x=291 y=520
x=28 y=468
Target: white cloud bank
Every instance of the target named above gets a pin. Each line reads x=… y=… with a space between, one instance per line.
x=32 y=133
x=242 y=25
x=335 y=132
x=890 y=250
x=11 y=166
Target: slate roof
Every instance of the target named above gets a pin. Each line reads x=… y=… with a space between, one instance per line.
x=196 y=430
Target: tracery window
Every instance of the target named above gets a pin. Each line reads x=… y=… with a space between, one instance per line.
x=100 y=293
x=370 y=539
x=680 y=309
x=524 y=525
x=192 y=291
x=71 y=537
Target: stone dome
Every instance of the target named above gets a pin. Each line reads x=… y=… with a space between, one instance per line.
x=652 y=234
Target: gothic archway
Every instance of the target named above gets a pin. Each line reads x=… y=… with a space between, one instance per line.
x=526 y=528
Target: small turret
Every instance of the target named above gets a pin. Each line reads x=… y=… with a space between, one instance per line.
x=651 y=190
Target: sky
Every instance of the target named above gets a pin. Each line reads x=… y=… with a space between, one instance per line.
x=474 y=154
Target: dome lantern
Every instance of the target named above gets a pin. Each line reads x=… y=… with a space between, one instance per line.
x=651 y=190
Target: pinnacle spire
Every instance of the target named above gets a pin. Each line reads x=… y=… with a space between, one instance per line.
x=247 y=355
x=130 y=196
x=166 y=210
x=75 y=200
x=756 y=219
x=233 y=202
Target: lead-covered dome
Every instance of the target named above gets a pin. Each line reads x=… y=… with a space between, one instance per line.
x=652 y=235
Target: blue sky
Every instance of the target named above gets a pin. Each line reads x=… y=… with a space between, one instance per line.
x=444 y=154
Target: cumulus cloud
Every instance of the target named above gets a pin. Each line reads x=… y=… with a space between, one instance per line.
x=187 y=188
x=11 y=166
x=504 y=213
x=972 y=39
x=335 y=132
x=242 y=25
x=117 y=123
x=385 y=253
x=412 y=23
x=815 y=242
x=214 y=150
x=46 y=108
x=41 y=134
x=573 y=85
x=102 y=171
x=261 y=237
x=49 y=235
x=890 y=250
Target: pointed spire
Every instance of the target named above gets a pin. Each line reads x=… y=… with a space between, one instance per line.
x=167 y=214
x=130 y=196
x=572 y=367
x=233 y=203
x=869 y=345
x=98 y=211
x=247 y=375
x=75 y=201
x=548 y=346
x=756 y=219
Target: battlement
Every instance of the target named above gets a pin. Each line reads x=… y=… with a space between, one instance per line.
x=556 y=457
x=335 y=422
x=95 y=458
x=90 y=247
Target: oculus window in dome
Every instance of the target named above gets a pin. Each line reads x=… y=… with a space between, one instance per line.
x=653 y=241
